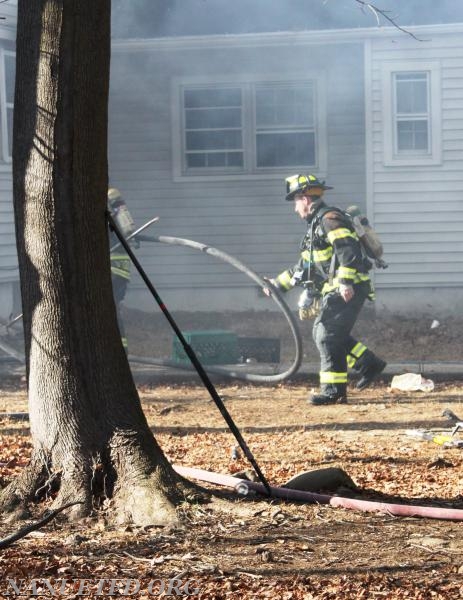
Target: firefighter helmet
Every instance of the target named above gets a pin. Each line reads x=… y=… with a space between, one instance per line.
x=298 y=184
x=113 y=194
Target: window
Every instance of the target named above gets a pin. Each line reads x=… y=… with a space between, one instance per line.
x=412 y=118
x=7 y=100
x=213 y=128
x=248 y=128
x=285 y=126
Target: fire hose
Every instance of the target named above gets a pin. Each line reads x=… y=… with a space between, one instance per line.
x=192 y=356
x=244 y=487
x=275 y=295
x=234 y=262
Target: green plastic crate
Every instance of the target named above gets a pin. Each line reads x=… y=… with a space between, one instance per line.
x=266 y=350
x=213 y=347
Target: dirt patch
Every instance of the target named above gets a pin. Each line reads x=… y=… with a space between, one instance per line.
x=254 y=548
x=396 y=338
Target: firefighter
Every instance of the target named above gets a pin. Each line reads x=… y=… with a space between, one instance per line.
x=120 y=262
x=334 y=269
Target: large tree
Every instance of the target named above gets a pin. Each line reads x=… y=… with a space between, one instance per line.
x=86 y=420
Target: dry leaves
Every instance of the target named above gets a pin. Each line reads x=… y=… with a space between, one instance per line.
x=260 y=549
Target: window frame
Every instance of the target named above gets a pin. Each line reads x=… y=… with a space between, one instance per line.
x=391 y=155
x=5 y=106
x=249 y=128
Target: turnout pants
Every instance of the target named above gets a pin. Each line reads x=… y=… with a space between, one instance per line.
x=119 y=290
x=337 y=348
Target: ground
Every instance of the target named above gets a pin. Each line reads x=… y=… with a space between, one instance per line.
x=250 y=547
x=420 y=338
x=397 y=338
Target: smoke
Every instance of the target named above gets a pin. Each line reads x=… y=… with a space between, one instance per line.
x=158 y=18
x=250 y=221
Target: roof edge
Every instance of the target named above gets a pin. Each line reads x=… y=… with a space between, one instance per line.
x=277 y=38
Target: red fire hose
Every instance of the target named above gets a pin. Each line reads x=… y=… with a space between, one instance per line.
x=398 y=510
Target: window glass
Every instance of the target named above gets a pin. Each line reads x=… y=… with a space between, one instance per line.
x=285 y=149
x=285 y=125
x=213 y=127
x=412 y=112
x=412 y=135
x=412 y=92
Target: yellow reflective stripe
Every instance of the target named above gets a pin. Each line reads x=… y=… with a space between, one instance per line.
x=322 y=255
x=350 y=361
x=332 y=377
x=120 y=272
x=340 y=233
x=120 y=257
x=305 y=255
x=358 y=350
x=346 y=273
x=327 y=287
x=284 y=280
x=359 y=278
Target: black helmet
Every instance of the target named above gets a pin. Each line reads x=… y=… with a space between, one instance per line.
x=298 y=184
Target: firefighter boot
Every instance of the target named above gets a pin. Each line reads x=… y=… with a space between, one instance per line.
x=370 y=372
x=330 y=394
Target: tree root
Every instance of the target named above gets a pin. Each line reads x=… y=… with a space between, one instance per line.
x=154 y=500
x=23 y=489
x=6 y=542
x=75 y=491
x=142 y=495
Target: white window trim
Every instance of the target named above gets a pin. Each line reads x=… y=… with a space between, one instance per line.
x=390 y=158
x=4 y=106
x=249 y=172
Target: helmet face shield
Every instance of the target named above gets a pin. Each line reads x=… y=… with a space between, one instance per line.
x=299 y=184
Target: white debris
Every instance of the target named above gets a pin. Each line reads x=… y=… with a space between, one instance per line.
x=411 y=382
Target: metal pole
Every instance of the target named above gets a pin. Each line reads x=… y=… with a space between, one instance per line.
x=192 y=356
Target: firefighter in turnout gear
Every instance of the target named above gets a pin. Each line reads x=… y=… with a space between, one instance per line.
x=120 y=262
x=333 y=271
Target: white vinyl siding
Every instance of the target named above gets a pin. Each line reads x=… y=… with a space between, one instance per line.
x=6 y=102
x=8 y=254
x=415 y=124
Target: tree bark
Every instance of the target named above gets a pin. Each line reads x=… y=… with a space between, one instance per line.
x=87 y=423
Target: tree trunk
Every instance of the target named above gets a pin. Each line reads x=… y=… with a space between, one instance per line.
x=86 y=419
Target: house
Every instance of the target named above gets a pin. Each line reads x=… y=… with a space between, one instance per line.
x=204 y=129
x=9 y=288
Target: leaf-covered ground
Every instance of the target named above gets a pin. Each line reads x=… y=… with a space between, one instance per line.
x=250 y=547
